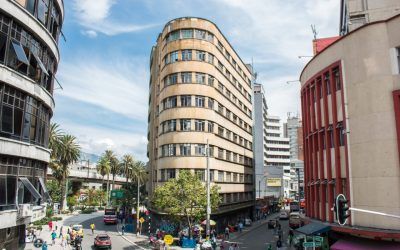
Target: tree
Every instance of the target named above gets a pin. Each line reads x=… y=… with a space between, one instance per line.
x=114 y=164
x=185 y=196
x=53 y=188
x=103 y=168
x=127 y=164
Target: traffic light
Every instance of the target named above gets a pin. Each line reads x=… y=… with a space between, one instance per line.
x=341 y=209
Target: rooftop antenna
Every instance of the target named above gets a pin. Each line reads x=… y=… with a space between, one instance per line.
x=314 y=31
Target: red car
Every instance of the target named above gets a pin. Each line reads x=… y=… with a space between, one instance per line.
x=102 y=241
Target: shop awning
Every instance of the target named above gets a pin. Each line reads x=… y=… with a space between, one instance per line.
x=364 y=244
x=30 y=187
x=313 y=228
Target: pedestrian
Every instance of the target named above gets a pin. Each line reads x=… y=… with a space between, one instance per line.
x=123 y=229
x=92 y=227
x=227 y=232
x=278 y=244
x=44 y=246
x=50 y=225
x=68 y=238
x=291 y=235
x=53 y=237
x=240 y=227
x=61 y=232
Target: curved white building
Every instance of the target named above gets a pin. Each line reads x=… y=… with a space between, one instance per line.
x=29 y=55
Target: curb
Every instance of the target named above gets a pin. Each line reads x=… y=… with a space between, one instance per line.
x=125 y=238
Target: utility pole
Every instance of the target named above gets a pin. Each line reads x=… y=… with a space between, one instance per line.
x=208 y=191
x=137 y=210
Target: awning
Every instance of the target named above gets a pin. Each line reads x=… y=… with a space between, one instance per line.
x=30 y=187
x=364 y=244
x=46 y=193
x=313 y=228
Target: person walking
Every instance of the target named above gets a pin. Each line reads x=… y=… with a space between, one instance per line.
x=50 y=225
x=291 y=235
x=53 y=237
x=123 y=229
x=61 y=232
x=227 y=232
x=240 y=227
x=92 y=226
x=44 y=246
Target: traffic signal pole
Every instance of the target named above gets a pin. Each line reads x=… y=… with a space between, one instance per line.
x=374 y=212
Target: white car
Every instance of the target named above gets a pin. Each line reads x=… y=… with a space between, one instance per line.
x=283 y=215
x=247 y=222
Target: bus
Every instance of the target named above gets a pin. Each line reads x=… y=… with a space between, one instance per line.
x=110 y=215
x=294 y=206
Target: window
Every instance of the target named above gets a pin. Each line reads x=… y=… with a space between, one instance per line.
x=174 y=35
x=210 y=103
x=220 y=153
x=228 y=176
x=186 y=100
x=186 y=77
x=210 y=58
x=220 y=87
x=234 y=158
x=200 y=101
x=220 y=176
x=327 y=84
x=170 y=102
x=341 y=133
x=171 y=79
x=210 y=127
x=234 y=63
x=210 y=80
x=235 y=177
x=228 y=134
x=220 y=131
x=168 y=150
x=241 y=178
x=186 y=55
x=30 y=6
x=200 y=78
x=200 y=149
x=228 y=155
x=199 y=125
x=336 y=75
x=185 y=150
x=220 y=108
x=43 y=11
x=220 y=66
x=200 y=55
x=166 y=59
x=220 y=46
x=174 y=56
x=330 y=137
x=171 y=174
x=3 y=44
x=185 y=124
x=398 y=58
x=187 y=33
x=210 y=37
x=227 y=55
x=200 y=174
x=169 y=126
x=200 y=34
x=228 y=114
x=235 y=137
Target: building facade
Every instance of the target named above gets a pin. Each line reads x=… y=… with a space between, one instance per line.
x=356 y=13
x=29 y=55
x=278 y=152
x=201 y=92
x=260 y=140
x=350 y=98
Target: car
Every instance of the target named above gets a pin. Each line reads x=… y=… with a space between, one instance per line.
x=295 y=220
x=247 y=222
x=77 y=230
x=283 y=215
x=271 y=223
x=102 y=241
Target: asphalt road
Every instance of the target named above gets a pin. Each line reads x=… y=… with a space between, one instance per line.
x=260 y=237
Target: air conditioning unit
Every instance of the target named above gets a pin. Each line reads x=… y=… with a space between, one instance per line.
x=25 y=210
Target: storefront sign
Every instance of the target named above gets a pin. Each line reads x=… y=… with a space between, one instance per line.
x=274 y=182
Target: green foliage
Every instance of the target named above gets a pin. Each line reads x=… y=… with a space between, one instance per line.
x=54 y=190
x=95 y=198
x=185 y=196
x=87 y=210
x=72 y=201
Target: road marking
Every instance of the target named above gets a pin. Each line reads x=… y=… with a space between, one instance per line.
x=130 y=240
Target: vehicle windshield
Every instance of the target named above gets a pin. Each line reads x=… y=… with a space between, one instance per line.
x=77 y=227
x=104 y=238
x=109 y=212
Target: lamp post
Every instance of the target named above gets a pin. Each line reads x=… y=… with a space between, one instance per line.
x=208 y=191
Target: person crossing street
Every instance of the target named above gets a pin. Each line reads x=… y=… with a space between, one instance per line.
x=92 y=226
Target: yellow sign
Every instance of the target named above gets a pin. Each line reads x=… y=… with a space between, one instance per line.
x=274 y=182
x=168 y=239
x=141 y=220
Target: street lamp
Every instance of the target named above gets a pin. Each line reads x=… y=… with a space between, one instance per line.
x=208 y=191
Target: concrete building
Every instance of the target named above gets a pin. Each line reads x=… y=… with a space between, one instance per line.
x=260 y=140
x=356 y=13
x=292 y=130
x=201 y=91
x=278 y=151
x=350 y=98
x=29 y=55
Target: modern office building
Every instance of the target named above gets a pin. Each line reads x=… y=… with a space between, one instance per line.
x=356 y=13
x=201 y=92
x=260 y=140
x=350 y=96
x=29 y=55
x=278 y=151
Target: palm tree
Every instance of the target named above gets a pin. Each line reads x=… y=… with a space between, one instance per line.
x=103 y=168
x=67 y=153
x=127 y=164
x=54 y=138
x=114 y=164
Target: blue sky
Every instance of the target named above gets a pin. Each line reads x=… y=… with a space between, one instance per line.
x=104 y=66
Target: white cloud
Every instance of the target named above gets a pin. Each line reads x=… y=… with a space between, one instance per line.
x=94 y=15
x=119 y=85
x=96 y=140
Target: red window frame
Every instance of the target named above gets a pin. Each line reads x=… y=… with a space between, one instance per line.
x=396 y=101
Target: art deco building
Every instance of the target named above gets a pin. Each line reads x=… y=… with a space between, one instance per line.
x=29 y=32
x=200 y=90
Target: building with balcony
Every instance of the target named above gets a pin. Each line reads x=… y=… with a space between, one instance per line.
x=278 y=151
x=350 y=97
x=29 y=55
x=201 y=92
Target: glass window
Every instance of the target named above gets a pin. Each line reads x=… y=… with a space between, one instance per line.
x=200 y=149
x=220 y=66
x=174 y=35
x=186 y=55
x=220 y=176
x=220 y=108
x=200 y=101
x=186 y=77
x=210 y=103
x=199 y=125
x=186 y=100
x=174 y=56
x=19 y=51
x=210 y=58
x=200 y=55
x=172 y=79
x=220 y=87
x=398 y=58
x=228 y=176
x=327 y=84
x=185 y=149
x=220 y=153
x=171 y=174
x=166 y=59
x=30 y=6
x=43 y=11
x=171 y=125
x=220 y=46
x=170 y=102
x=185 y=124
x=210 y=80
x=336 y=75
x=200 y=34
x=200 y=173
x=220 y=131
x=187 y=33
x=210 y=127
x=200 y=78
x=3 y=44
x=210 y=37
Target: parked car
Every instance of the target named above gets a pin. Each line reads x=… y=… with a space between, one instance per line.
x=295 y=220
x=271 y=223
x=283 y=215
x=247 y=222
x=102 y=241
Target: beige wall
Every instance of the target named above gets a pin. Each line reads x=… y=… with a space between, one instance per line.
x=368 y=85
